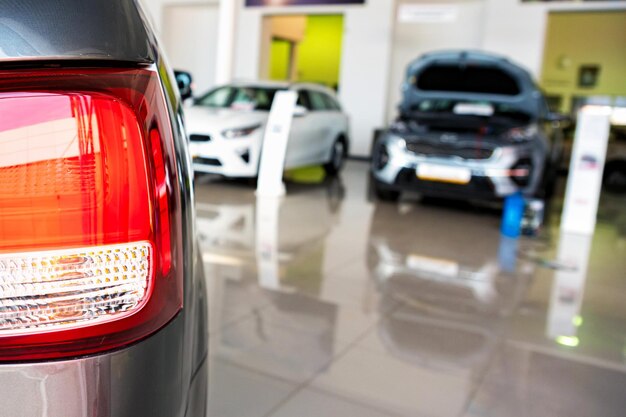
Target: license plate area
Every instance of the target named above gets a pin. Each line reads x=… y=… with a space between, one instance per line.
x=433 y=265
x=444 y=173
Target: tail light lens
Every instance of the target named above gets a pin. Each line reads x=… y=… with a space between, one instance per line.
x=90 y=244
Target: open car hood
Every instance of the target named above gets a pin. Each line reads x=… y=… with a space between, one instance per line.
x=472 y=76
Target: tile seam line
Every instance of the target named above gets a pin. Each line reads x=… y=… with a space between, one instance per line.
x=348 y=348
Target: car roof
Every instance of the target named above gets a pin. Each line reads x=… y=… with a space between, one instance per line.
x=74 y=30
x=257 y=83
x=470 y=56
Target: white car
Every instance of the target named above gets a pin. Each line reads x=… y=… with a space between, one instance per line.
x=226 y=128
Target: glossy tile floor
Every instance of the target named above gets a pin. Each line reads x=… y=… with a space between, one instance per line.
x=327 y=304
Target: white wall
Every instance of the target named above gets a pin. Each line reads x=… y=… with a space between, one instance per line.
x=189 y=36
x=365 y=59
x=174 y=31
x=155 y=9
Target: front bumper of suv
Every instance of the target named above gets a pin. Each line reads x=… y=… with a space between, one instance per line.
x=394 y=167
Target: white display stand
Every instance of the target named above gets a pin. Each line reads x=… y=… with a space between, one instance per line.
x=274 y=148
x=586 y=168
x=268 y=267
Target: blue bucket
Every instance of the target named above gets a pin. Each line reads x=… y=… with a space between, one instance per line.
x=512 y=215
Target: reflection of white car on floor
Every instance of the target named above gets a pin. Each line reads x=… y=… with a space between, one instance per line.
x=229 y=228
x=227 y=124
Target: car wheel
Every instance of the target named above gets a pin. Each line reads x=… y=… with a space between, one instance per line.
x=615 y=176
x=337 y=158
x=384 y=194
x=335 y=192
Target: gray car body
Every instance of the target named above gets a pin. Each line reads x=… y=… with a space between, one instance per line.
x=544 y=149
x=166 y=373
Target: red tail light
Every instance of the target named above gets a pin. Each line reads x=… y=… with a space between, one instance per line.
x=90 y=244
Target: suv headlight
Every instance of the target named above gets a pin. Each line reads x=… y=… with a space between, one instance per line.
x=240 y=132
x=522 y=134
x=397 y=141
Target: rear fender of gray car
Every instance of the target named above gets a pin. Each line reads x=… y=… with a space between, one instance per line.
x=166 y=373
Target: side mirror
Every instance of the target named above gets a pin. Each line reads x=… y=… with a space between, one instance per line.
x=300 y=111
x=184 y=81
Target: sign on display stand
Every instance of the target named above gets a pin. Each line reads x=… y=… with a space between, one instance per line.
x=274 y=149
x=586 y=168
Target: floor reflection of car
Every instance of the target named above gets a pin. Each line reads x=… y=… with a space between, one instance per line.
x=229 y=229
x=226 y=128
x=454 y=301
x=471 y=126
x=439 y=258
x=229 y=236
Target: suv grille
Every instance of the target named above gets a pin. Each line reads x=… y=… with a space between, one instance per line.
x=465 y=152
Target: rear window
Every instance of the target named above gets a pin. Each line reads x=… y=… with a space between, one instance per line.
x=468 y=79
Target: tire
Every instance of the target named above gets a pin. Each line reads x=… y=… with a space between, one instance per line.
x=335 y=192
x=385 y=194
x=614 y=179
x=252 y=181
x=337 y=158
x=545 y=190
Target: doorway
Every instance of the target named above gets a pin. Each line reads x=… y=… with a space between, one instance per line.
x=302 y=48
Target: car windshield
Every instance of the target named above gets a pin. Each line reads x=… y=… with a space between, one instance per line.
x=239 y=98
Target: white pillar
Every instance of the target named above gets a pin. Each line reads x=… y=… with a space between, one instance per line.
x=226 y=42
